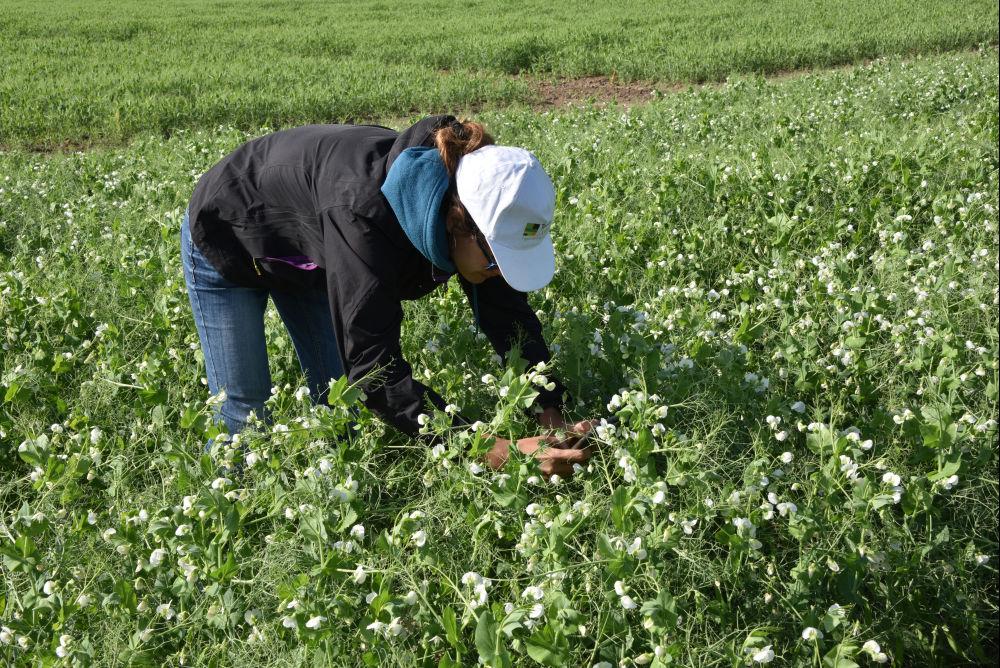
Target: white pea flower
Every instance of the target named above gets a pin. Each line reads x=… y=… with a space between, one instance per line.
x=182 y=530
x=108 y=534
x=744 y=525
x=50 y=587
x=315 y=622
x=799 y=407
x=165 y=610
x=786 y=507
x=288 y=622
x=636 y=549
x=359 y=575
x=394 y=627
x=63 y=649
x=537 y=610
x=628 y=603
x=410 y=598
x=871 y=647
x=6 y=635
x=300 y=395
x=764 y=655
x=419 y=538
x=811 y=633
x=533 y=592
x=471 y=578
x=891 y=479
x=532 y=509
x=874 y=651
x=156 y=557
x=949 y=482
x=220 y=483
x=982 y=559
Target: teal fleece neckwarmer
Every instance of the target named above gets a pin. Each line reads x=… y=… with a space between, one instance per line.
x=415 y=187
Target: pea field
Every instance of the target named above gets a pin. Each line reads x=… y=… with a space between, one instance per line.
x=780 y=292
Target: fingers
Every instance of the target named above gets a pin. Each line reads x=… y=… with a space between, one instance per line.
x=568 y=441
x=561 y=469
x=570 y=455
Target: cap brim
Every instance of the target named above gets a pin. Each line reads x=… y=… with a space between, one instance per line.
x=526 y=269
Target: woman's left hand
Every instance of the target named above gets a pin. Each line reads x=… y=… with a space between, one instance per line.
x=552 y=418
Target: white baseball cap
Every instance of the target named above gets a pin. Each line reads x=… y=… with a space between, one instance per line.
x=511 y=200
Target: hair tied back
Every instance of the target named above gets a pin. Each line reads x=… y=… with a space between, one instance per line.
x=458 y=128
x=455 y=139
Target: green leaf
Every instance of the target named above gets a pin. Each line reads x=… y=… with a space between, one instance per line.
x=126 y=595
x=450 y=624
x=448 y=662
x=620 y=508
x=486 y=636
x=548 y=647
x=20 y=556
x=347 y=519
x=643 y=446
x=952 y=464
x=841 y=656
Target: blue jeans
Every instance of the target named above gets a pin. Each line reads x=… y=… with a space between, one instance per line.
x=230 y=323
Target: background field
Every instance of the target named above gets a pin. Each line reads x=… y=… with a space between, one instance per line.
x=80 y=71
x=786 y=291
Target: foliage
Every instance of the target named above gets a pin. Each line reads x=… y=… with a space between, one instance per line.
x=784 y=293
x=77 y=73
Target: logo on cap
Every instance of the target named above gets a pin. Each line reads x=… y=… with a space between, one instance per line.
x=532 y=230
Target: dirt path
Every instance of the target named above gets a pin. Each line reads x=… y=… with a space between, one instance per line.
x=554 y=92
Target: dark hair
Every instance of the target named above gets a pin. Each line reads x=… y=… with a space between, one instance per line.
x=453 y=140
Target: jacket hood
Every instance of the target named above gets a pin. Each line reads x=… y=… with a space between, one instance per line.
x=420 y=133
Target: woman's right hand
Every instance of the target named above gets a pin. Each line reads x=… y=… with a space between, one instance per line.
x=554 y=456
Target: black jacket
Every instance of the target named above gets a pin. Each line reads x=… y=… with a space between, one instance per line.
x=314 y=191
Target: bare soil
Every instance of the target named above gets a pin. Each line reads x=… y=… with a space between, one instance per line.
x=599 y=90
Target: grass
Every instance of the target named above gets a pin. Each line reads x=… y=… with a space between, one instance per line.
x=78 y=73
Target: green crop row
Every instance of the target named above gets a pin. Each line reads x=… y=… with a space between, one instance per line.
x=76 y=72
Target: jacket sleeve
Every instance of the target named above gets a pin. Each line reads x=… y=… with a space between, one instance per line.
x=367 y=317
x=506 y=317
